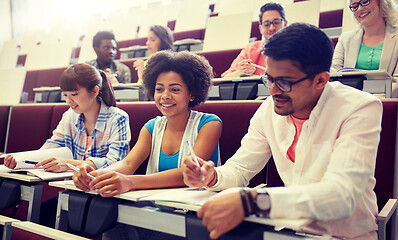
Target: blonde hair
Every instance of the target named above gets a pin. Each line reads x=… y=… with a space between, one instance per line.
x=388 y=9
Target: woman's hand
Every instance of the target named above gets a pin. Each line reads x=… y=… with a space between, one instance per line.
x=10 y=162
x=112 y=183
x=54 y=165
x=81 y=178
x=139 y=66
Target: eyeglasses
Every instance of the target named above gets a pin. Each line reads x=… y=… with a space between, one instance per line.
x=283 y=84
x=354 y=6
x=276 y=22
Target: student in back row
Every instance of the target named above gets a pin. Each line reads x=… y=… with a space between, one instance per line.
x=375 y=45
x=159 y=38
x=272 y=19
x=177 y=82
x=104 y=44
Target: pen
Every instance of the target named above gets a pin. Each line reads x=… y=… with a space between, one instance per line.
x=30 y=162
x=78 y=170
x=257 y=66
x=195 y=159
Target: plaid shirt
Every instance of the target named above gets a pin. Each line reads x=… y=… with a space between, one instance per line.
x=108 y=143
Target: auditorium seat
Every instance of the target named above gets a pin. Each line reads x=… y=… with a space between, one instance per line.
x=192 y=16
x=331 y=19
x=41 y=78
x=56 y=116
x=9 y=54
x=218 y=37
x=303 y=11
x=130 y=64
x=220 y=60
x=11 y=85
x=4 y=113
x=29 y=127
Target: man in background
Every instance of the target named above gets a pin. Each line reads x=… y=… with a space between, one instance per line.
x=104 y=44
x=272 y=19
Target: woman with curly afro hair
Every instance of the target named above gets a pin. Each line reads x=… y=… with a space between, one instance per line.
x=177 y=81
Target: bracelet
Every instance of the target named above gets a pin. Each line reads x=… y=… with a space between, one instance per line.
x=244 y=203
x=212 y=180
x=251 y=202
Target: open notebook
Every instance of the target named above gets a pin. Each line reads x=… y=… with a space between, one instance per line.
x=26 y=161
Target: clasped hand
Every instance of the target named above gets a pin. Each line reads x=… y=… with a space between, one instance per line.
x=107 y=184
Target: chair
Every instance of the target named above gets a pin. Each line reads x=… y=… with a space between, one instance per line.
x=45 y=231
x=11 y=85
x=385 y=170
x=227 y=32
x=192 y=16
x=9 y=54
x=7 y=228
x=29 y=127
x=349 y=23
x=305 y=11
x=388 y=212
x=230 y=7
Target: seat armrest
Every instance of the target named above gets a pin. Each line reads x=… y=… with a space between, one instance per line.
x=388 y=210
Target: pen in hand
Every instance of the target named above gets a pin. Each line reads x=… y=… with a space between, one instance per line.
x=78 y=170
x=195 y=159
x=257 y=66
x=30 y=162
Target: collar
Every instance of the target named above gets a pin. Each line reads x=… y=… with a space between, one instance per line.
x=321 y=101
x=112 y=65
x=101 y=120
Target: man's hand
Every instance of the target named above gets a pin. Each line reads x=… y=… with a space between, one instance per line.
x=222 y=214
x=191 y=172
x=245 y=67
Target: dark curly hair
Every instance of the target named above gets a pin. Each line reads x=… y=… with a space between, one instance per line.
x=304 y=44
x=195 y=71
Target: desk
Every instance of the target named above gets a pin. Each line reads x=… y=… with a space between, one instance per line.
x=7 y=229
x=138 y=51
x=178 y=222
x=123 y=92
x=31 y=192
x=375 y=81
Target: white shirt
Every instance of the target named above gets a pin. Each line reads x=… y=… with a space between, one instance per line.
x=332 y=178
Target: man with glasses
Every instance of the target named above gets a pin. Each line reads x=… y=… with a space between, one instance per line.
x=323 y=137
x=272 y=19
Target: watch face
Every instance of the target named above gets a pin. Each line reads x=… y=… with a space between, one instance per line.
x=263 y=202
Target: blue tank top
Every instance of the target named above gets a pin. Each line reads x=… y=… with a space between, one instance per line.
x=167 y=162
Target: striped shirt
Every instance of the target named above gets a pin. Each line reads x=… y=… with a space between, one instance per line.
x=108 y=143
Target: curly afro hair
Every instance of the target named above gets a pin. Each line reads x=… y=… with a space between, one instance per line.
x=195 y=71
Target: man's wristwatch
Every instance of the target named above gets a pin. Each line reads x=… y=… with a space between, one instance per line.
x=262 y=203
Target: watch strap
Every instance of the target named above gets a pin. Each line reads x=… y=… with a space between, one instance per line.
x=244 y=202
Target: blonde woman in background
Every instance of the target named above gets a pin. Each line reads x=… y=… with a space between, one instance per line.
x=375 y=45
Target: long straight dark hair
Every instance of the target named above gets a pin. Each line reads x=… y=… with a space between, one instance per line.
x=87 y=76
